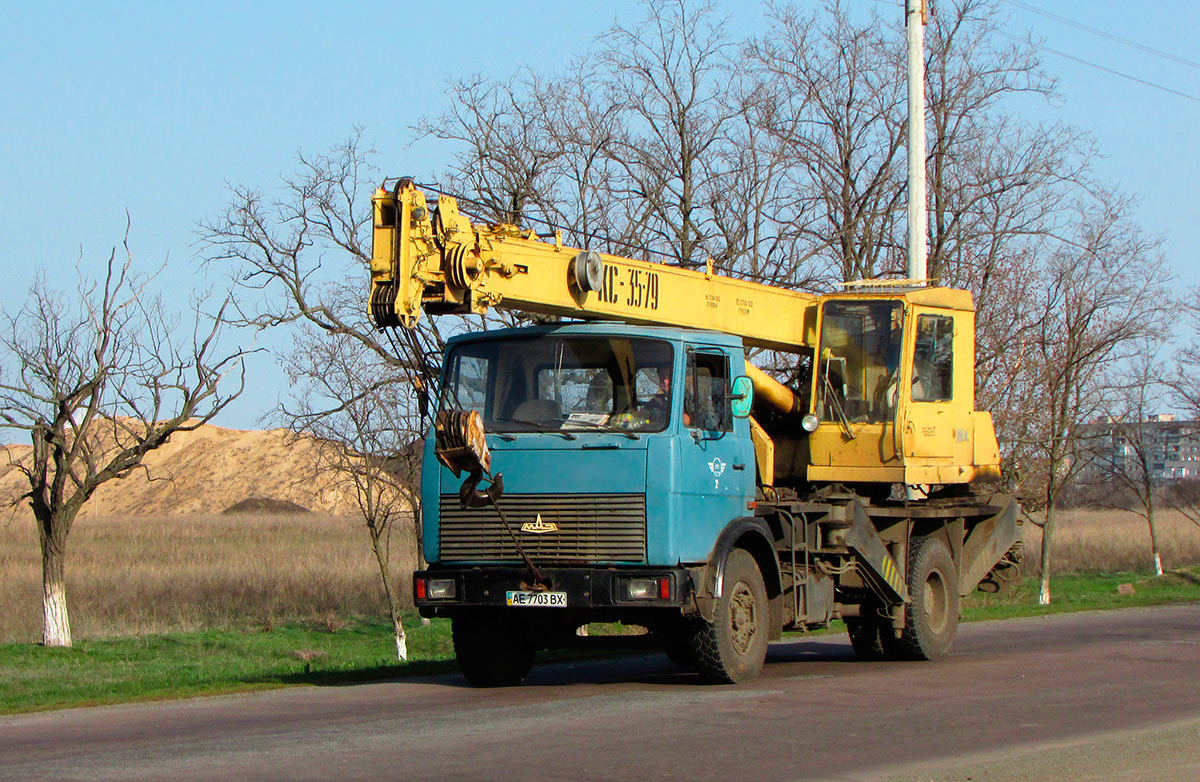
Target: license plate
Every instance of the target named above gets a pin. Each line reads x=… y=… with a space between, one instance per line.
x=538 y=599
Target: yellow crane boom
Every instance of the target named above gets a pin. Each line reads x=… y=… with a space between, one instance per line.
x=440 y=262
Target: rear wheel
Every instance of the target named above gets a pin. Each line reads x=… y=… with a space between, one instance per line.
x=491 y=652
x=931 y=620
x=732 y=648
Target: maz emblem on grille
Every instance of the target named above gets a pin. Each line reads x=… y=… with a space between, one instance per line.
x=539 y=527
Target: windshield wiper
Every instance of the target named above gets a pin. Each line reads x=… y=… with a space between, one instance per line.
x=540 y=426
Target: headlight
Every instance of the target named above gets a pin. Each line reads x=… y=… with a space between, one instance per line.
x=809 y=423
x=435 y=589
x=641 y=588
x=657 y=588
x=441 y=589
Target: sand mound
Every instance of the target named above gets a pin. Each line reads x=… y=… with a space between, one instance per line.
x=265 y=505
x=211 y=470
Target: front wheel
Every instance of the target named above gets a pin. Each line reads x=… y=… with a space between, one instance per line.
x=931 y=621
x=491 y=652
x=732 y=648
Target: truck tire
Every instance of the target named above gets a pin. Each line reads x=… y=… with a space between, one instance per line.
x=491 y=652
x=931 y=620
x=731 y=649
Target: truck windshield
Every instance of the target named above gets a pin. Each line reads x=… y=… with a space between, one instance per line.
x=859 y=356
x=562 y=383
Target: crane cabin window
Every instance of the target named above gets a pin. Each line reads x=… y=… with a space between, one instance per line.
x=933 y=359
x=562 y=383
x=859 y=360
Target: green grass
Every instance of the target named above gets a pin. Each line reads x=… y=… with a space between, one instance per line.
x=1085 y=592
x=155 y=667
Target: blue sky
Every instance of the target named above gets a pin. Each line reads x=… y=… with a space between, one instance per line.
x=154 y=107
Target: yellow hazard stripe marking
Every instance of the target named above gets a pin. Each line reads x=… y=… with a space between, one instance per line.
x=891 y=576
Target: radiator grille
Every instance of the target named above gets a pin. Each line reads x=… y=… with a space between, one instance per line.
x=591 y=528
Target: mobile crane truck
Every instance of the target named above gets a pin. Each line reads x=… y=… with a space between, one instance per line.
x=640 y=470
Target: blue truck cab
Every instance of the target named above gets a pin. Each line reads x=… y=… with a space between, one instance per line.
x=625 y=454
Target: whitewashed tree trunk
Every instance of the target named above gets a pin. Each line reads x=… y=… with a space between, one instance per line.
x=56 y=627
x=1044 y=591
x=1158 y=568
x=401 y=642
x=379 y=542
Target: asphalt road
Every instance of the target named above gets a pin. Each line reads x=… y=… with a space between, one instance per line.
x=1103 y=695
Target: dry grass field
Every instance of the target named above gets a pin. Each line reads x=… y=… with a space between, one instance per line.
x=129 y=575
x=144 y=574
x=1111 y=541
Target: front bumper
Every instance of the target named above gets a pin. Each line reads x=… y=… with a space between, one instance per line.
x=600 y=594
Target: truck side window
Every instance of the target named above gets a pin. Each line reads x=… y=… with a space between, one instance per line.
x=706 y=402
x=933 y=359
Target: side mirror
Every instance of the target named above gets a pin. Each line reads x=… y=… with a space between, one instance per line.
x=742 y=397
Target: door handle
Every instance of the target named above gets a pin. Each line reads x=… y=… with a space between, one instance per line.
x=739 y=466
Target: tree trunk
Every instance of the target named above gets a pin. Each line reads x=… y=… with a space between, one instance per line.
x=378 y=542
x=56 y=627
x=1158 y=568
x=1047 y=538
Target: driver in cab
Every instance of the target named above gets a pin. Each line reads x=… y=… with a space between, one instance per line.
x=658 y=407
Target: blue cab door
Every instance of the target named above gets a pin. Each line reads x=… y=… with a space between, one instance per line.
x=716 y=457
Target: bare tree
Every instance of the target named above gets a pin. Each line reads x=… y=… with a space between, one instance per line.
x=836 y=90
x=361 y=419
x=1124 y=445
x=1184 y=495
x=623 y=150
x=1099 y=297
x=506 y=147
x=670 y=72
x=98 y=377
x=300 y=260
x=1185 y=382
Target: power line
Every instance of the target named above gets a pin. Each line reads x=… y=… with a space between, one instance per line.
x=1104 y=34
x=1089 y=63
x=1104 y=68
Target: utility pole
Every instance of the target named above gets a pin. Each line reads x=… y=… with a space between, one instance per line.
x=915 y=19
